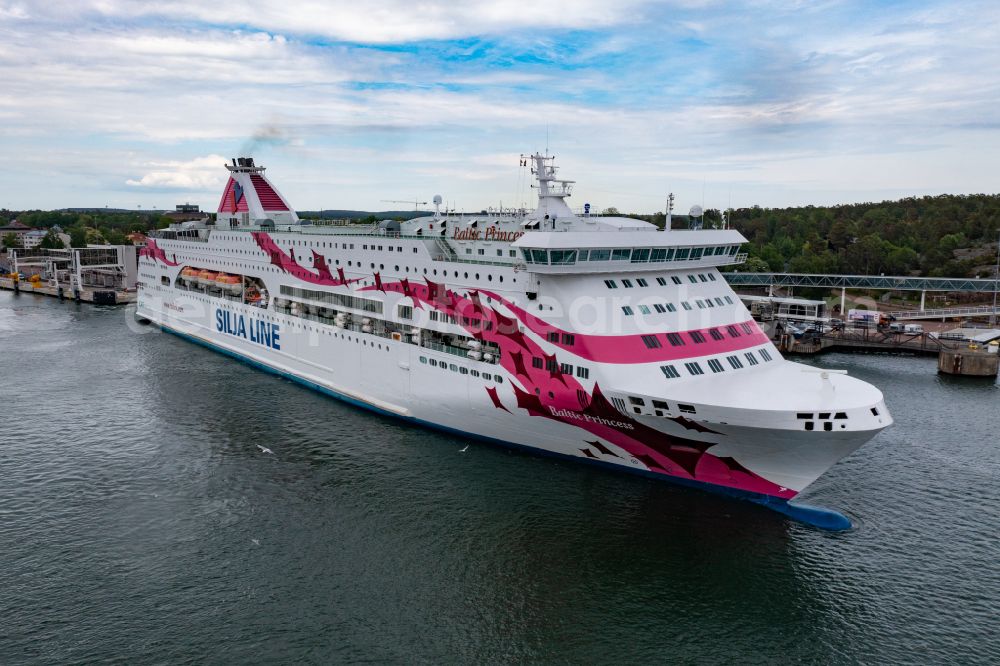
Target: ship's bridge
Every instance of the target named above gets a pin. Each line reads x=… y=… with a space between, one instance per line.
x=589 y=252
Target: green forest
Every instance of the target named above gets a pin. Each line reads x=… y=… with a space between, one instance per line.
x=89 y=226
x=940 y=236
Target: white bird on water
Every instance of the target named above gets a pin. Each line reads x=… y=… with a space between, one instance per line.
x=465 y=449
x=256 y=542
x=264 y=449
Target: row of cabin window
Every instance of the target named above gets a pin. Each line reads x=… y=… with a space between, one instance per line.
x=662 y=281
x=460 y=369
x=697 y=337
x=659 y=405
x=482 y=251
x=552 y=365
x=694 y=368
x=634 y=255
x=567 y=338
x=669 y=307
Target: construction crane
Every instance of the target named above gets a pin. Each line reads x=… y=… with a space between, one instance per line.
x=416 y=204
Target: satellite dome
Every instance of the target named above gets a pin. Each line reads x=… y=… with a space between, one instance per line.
x=695 y=211
x=437 y=199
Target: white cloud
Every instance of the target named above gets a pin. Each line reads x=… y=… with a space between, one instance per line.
x=201 y=173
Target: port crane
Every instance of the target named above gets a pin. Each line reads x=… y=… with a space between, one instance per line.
x=415 y=202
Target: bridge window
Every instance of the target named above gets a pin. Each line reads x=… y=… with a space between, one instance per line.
x=600 y=255
x=620 y=255
x=562 y=257
x=658 y=254
x=539 y=256
x=640 y=255
x=696 y=252
x=715 y=365
x=669 y=371
x=735 y=362
x=683 y=253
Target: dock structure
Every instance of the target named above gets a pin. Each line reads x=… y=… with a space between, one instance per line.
x=890 y=283
x=874 y=282
x=865 y=340
x=103 y=274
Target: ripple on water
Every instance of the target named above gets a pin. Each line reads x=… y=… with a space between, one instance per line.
x=140 y=522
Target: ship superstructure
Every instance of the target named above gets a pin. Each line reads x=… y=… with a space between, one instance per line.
x=598 y=338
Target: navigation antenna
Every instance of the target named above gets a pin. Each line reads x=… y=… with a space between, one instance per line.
x=670 y=210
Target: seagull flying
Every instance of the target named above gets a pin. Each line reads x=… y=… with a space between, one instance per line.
x=256 y=542
x=465 y=449
x=264 y=449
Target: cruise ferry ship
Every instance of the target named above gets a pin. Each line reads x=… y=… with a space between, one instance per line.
x=598 y=338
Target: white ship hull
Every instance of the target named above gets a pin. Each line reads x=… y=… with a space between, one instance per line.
x=471 y=347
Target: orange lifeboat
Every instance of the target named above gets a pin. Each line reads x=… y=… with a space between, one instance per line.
x=229 y=283
x=189 y=275
x=206 y=278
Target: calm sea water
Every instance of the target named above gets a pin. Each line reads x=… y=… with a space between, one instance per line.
x=140 y=523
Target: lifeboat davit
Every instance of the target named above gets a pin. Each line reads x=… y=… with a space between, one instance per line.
x=189 y=275
x=206 y=278
x=229 y=283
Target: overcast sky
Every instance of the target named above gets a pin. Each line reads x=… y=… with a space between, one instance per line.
x=121 y=103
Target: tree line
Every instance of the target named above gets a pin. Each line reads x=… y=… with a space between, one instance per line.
x=83 y=227
x=939 y=236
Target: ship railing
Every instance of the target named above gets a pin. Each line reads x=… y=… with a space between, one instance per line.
x=457 y=351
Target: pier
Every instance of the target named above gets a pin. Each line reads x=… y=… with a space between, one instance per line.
x=103 y=275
